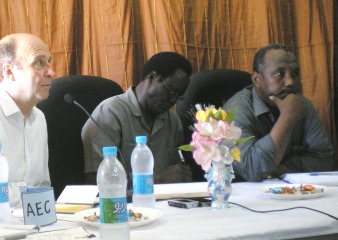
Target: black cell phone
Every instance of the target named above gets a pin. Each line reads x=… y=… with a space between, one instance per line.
x=203 y=201
x=183 y=203
x=190 y=202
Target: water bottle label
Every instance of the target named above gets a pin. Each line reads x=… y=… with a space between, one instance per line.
x=3 y=192
x=113 y=210
x=143 y=184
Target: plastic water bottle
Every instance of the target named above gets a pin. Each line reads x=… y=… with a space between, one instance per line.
x=142 y=163
x=112 y=184
x=4 y=203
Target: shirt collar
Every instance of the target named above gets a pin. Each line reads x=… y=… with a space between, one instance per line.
x=7 y=104
x=258 y=104
x=135 y=105
x=9 y=107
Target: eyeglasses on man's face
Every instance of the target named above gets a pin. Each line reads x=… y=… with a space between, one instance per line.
x=173 y=94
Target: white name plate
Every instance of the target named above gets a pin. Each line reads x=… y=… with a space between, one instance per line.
x=38 y=206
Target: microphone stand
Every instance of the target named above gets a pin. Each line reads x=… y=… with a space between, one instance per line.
x=70 y=99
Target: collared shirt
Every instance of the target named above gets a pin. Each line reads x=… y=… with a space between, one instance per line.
x=310 y=148
x=24 y=145
x=122 y=119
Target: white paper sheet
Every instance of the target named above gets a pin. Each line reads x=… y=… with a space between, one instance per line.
x=69 y=234
x=78 y=194
x=15 y=231
x=186 y=190
x=319 y=178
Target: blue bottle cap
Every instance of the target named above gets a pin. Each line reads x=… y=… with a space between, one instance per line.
x=141 y=139
x=109 y=151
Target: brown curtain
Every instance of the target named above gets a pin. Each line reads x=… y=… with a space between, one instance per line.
x=113 y=38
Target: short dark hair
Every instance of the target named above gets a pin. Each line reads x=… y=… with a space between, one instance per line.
x=7 y=54
x=258 y=63
x=165 y=64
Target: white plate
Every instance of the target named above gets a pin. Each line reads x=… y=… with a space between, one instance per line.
x=149 y=213
x=296 y=196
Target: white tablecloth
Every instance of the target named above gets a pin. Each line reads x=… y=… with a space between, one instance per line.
x=236 y=222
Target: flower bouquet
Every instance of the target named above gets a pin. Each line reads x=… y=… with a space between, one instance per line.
x=214 y=144
x=215 y=138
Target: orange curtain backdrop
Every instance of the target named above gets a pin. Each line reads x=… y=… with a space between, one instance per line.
x=113 y=38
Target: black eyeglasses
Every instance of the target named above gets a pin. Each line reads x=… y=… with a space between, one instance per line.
x=172 y=93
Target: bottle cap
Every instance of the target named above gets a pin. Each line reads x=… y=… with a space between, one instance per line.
x=109 y=151
x=141 y=139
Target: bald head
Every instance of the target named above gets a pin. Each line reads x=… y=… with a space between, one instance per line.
x=25 y=69
x=18 y=47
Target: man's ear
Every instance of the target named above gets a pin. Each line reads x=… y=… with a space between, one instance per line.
x=151 y=76
x=256 y=79
x=7 y=72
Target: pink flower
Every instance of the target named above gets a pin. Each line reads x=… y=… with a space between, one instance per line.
x=204 y=150
x=218 y=129
x=215 y=137
x=207 y=150
x=233 y=133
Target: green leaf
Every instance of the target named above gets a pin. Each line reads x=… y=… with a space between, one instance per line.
x=243 y=140
x=187 y=148
x=218 y=114
x=231 y=115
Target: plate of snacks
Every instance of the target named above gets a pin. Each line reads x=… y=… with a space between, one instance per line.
x=136 y=216
x=294 y=191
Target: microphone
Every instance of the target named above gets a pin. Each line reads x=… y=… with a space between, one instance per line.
x=69 y=98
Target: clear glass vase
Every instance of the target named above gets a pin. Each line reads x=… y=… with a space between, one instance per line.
x=219 y=184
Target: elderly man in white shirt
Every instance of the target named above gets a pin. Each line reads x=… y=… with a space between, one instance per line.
x=25 y=80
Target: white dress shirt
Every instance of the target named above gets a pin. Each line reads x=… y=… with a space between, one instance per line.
x=24 y=143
